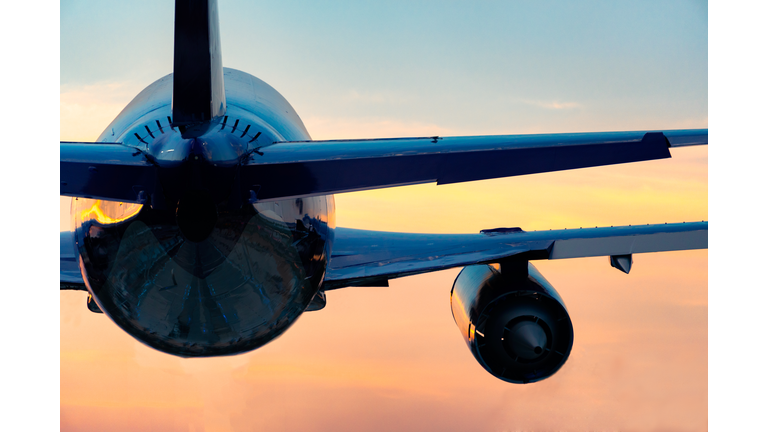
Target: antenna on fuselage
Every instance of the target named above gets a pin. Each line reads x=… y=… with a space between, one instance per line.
x=198 y=75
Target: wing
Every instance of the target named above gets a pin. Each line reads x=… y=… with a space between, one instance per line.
x=370 y=258
x=296 y=169
x=305 y=168
x=69 y=269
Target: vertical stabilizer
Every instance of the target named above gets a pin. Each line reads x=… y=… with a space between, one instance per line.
x=198 y=76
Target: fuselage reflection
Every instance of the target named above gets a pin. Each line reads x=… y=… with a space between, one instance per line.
x=199 y=269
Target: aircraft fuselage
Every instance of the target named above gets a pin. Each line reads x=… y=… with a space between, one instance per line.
x=202 y=267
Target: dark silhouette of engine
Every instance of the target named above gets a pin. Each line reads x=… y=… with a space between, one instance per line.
x=513 y=320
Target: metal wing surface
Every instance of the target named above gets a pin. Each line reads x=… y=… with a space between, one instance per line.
x=109 y=171
x=370 y=258
x=305 y=168
x=362 y=257
x=69 y=269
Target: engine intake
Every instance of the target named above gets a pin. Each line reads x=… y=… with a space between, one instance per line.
x=513 y=321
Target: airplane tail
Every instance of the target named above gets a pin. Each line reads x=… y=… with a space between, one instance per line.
x=198 y=75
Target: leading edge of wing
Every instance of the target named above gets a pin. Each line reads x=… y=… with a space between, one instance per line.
x=687 y=137
x=360 y=257
x=306 y=168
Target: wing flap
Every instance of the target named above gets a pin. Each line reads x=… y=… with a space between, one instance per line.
x=618 y=243
x=360 y=256
x=297 y=169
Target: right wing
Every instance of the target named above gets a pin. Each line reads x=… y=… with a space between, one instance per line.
x=370 y=258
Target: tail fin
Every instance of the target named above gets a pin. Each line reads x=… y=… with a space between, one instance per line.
x=198 y=76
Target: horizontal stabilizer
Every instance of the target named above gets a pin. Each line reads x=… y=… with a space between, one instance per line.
x=105 y=171
x=360 y=256
x=296 y=169
x=687 y=137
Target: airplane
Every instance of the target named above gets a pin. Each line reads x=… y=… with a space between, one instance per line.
x=203 y=220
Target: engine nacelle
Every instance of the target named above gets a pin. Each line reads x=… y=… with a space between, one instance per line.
x=513 y=321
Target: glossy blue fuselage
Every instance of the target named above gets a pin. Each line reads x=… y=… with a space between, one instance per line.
x=203 y=268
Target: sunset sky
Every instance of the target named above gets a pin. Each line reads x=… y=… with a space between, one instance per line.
x=392 y=358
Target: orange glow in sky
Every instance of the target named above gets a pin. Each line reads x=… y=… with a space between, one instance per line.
x=392 y=358
x=384 y=359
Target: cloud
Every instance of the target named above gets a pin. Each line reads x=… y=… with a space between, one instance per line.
x=321 y=128
x=388 y=98
x=556 y=105
x=86 y=110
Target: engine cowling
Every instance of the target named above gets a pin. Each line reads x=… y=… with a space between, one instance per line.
x=513 y=320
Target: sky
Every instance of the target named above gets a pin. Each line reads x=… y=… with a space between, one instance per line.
x=392 y=358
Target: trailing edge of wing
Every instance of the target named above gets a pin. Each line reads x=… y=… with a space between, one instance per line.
x=105 y=171
x=295 y=169
x=364 y=257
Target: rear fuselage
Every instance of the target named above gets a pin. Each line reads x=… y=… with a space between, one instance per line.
x=203 y=268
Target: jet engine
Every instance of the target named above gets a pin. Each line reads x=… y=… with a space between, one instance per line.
x=513 y=320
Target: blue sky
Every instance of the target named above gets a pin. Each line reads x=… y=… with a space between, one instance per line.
x=457 y=67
